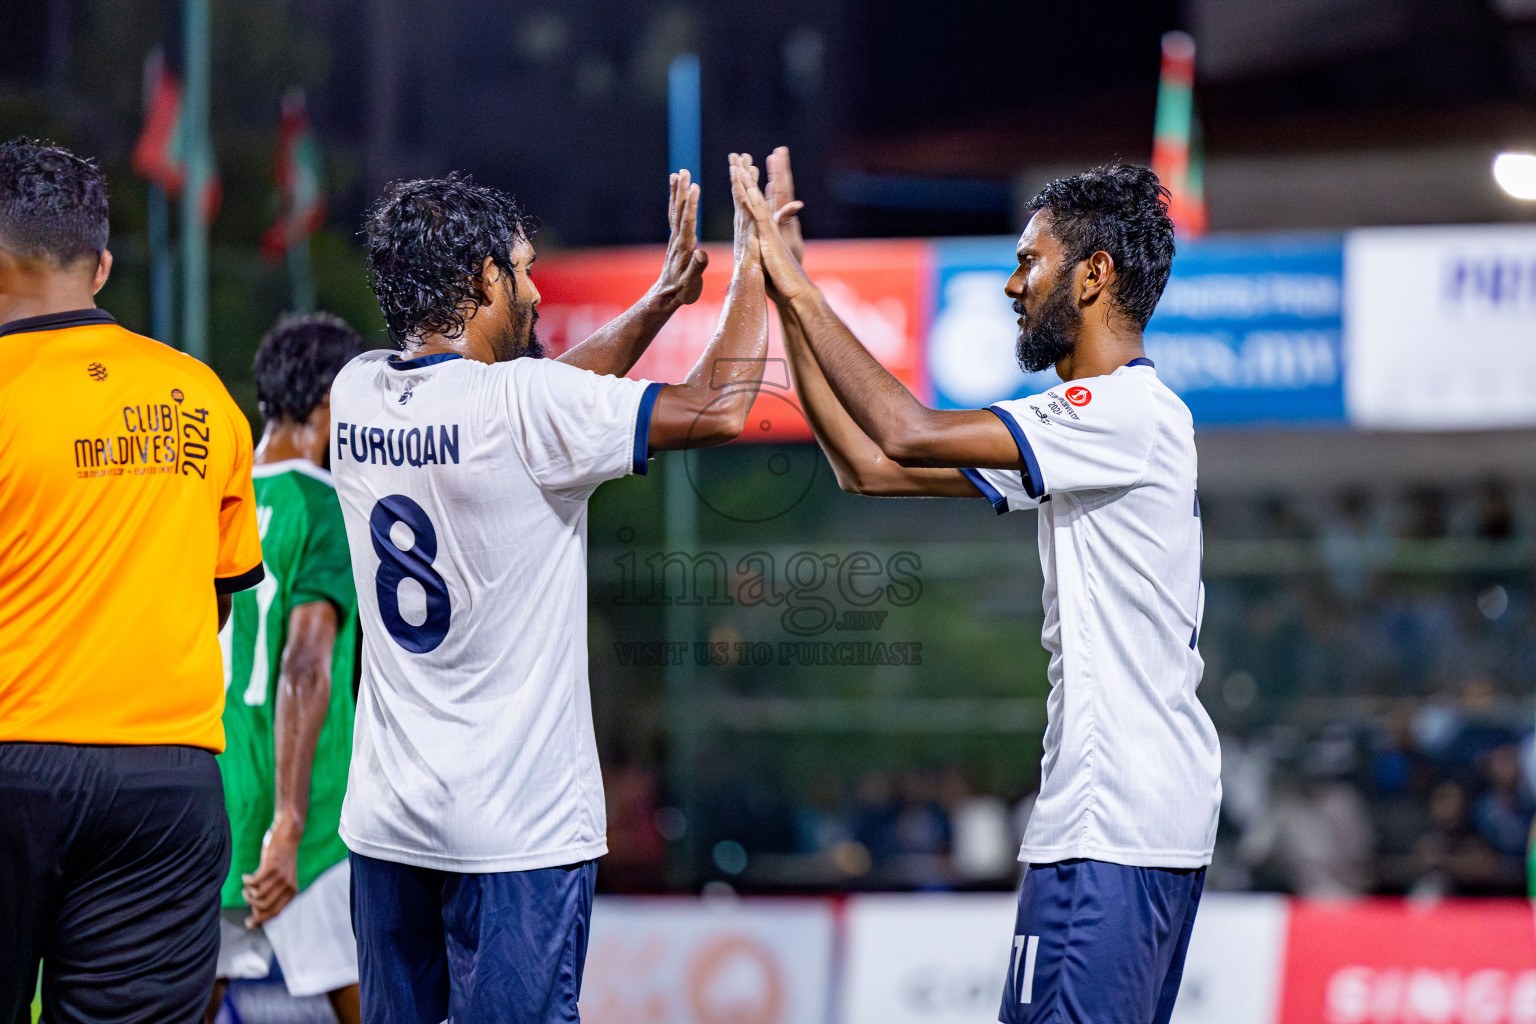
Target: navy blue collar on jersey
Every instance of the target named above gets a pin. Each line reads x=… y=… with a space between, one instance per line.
x=57 y=321
x=396 y=363
x=1142 y=361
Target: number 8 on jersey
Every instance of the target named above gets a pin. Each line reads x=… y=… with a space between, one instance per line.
x=406 y=543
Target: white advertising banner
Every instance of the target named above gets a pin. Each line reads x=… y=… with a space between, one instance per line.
x=944 y=959
x=680 y=961
x=926 y=959
x=1232 y=973
x=1440 y=327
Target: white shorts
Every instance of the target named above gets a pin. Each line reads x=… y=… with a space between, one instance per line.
x=312 y=938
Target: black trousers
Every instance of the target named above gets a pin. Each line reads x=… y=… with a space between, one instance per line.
x=111 y=861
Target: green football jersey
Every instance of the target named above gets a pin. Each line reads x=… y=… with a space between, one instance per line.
x=304 y=550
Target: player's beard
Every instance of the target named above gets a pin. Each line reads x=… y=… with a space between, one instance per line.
x=1049 y=335
x=533 y=348
x=521 y=337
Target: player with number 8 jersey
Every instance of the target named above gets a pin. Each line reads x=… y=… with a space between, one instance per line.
x=474 y=811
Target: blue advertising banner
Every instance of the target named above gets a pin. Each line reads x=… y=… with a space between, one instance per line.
x=1249 y=330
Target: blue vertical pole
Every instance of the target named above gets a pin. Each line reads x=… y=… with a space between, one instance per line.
x=680 y=521
x=198 y=148
x=685 y=120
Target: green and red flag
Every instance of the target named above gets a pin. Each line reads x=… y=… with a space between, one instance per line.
x=160 y=154
x=1176 y=155
x=301 y=192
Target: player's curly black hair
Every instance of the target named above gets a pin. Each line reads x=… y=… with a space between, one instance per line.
x=427 y=244
x=1123 y=210
x=53 y=204
x=297 y=361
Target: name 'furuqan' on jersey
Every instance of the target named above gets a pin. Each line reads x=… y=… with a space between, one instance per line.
x=399 y=446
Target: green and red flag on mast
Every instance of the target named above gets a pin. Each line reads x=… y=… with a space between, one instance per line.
x=300 y=188
x=160 y=155
x=1176 y=151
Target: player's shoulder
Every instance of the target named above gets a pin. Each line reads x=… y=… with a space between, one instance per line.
x=157 y=355
x=364 y=364
x=1123 y=399
x=300 y=477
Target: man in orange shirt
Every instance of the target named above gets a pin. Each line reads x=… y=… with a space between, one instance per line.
x=127 y=518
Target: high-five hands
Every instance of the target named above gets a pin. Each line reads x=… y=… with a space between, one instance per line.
x=682 y=275
x=778 y=227
x=743 y=177
x=782 y=201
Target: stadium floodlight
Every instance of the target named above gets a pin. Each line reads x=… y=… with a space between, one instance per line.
x=1516 y=174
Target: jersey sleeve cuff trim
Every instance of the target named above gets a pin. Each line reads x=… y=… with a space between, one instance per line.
x=992 y=494
x=643 y=428
x=1034 y=482
x=244 y=581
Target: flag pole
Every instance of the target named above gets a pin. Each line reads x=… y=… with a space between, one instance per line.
x=162 y=300
x=198 y=149
x=301 y=277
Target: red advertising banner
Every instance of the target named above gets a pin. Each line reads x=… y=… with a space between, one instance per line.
x=880 y=289
x=1394 y=962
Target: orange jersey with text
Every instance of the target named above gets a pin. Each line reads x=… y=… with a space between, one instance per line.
x=125 y=503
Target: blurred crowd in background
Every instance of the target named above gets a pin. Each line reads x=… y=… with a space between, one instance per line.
x=1370 y=661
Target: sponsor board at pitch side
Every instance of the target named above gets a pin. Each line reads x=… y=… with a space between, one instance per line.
x=943 y=959
x=879 y=288
x=1248 y=330
x=1384 y=961
x=680 y=961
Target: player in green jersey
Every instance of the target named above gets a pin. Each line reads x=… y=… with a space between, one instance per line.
x=289 y=658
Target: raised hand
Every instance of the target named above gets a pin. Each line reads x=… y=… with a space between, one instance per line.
x=783 y=204
x=745 y=227
x=682 y=274
x=785 y=277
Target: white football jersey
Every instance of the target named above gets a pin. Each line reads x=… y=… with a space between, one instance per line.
x=1131 y=772
x=464 y=487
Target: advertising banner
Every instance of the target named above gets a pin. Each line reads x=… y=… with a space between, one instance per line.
x=878 y=288
x=926 y=959
x=1441 y=331
x=679 y=961
x=1232 y=973
x=1392 y=962
x=1248 y=330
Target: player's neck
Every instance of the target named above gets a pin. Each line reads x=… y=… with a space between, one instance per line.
x=28 y=295
x=467 y=343
x=1101 y=352
x=285 y=440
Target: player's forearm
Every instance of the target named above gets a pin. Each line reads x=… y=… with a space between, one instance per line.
x=735 y=354
x=906 y=431
x=878 y=403
x=302 y=703
x=710 y=407
x=617 y=346
x=861 y=467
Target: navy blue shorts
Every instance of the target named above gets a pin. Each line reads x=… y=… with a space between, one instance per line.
x=1098 y=943
x=111 y=859
x=500 y=948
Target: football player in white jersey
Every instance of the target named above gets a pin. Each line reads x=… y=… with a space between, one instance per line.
x=474 y=808
x=1123 y=828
